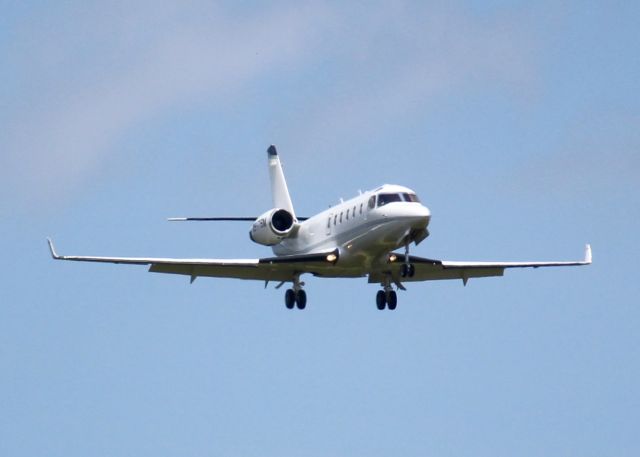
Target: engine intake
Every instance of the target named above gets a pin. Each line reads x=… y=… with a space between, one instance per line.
x=272 y=227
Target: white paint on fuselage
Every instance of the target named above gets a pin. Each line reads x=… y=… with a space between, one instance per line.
x=362 y=239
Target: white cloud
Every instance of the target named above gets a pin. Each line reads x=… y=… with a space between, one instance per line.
x=598 y=156
x=93 y=73
x=399 y=57
x=78 y=105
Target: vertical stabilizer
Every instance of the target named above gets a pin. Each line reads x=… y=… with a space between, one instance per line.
x=279 y=190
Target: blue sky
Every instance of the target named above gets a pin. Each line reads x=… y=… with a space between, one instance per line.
x=517 y=124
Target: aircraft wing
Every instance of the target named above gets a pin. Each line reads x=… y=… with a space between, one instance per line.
x=430 y=269
x=267 y=269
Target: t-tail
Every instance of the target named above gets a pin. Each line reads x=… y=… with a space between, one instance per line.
x=278 y=223
x=279 y=190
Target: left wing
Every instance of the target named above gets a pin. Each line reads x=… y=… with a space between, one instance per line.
x=282 y=268
x=430 y=269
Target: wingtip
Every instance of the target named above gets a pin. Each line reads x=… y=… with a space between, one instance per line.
x=588 y=256
x=52 y=249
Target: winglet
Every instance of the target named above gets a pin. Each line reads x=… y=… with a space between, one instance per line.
x=588 y=258
x=52 y=249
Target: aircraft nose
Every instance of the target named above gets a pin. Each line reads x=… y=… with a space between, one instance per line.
x=422 y=215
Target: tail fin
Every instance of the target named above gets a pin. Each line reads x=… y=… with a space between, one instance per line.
x=279 y=190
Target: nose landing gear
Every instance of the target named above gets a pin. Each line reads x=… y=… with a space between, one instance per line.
x=407 y=270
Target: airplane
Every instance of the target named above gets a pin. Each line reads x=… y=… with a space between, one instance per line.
x=357 y=238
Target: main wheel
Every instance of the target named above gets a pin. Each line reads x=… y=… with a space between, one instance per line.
x=290 y=298
x=392 y=300
x=412 y=270
x=301 y=299
x=404 y=270
x=381 y=299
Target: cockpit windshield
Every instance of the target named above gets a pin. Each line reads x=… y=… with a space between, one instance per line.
x=413 y=198
x=385 y=199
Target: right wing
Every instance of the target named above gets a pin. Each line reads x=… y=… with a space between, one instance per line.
x=430 y=269
x=282 y=268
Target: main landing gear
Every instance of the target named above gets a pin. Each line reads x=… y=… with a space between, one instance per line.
x=386 y=297
x=291 y=299
x=296 y=296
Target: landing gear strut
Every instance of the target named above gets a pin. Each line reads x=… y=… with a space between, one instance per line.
x=386 y=297
x=407 y=270
x=296 y=296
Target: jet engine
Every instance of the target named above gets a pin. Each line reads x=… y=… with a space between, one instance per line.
x=272 y=227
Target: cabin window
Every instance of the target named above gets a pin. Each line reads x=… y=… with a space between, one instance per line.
x=341 y=218
x=329 y=222
x=372 y=202
x=347 y=216
x=335 y=219
x=354 y=211
x=360 y=208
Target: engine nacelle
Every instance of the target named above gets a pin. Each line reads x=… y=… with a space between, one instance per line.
x=272 y=227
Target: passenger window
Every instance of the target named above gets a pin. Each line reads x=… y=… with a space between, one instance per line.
x=335 y=219
x=354 y=211
x=341 y=218
x=347 y=214
x=360 y=208
x=329 y=222
x=372 y=202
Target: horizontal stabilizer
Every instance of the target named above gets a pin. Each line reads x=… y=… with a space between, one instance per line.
x=217 y=219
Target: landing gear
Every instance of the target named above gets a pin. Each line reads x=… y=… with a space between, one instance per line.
x=293 y=299
x=290 y=298
x=386 y=297
x=301 y=299
x=407 y=270
x=392 y=300
x=296 y=296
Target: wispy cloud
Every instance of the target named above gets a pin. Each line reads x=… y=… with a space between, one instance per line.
x=397 y=58
x=89 y=86
x=598 y=156
x=92 y=73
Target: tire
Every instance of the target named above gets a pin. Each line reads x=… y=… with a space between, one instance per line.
x=412 y=271
x=392 y=300
x=301 y=299
x=289 y=298
x=404 y=270
x=381 y=300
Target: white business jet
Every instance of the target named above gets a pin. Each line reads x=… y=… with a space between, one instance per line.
x=354 y=239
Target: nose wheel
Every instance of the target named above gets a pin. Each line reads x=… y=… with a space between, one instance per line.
x=407 y=270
